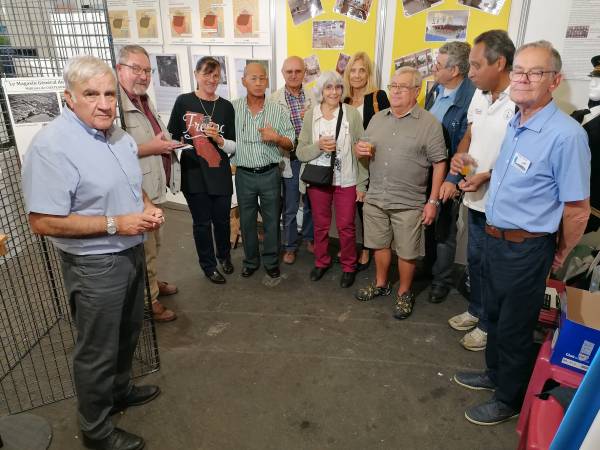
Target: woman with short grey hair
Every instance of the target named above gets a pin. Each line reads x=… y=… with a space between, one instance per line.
x=330 y=130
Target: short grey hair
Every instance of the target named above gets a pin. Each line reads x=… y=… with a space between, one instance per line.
x=417 y=77
x=458 y=55
x=82 y=68
x=128 y=50
x=555 y=58
x=329 y=78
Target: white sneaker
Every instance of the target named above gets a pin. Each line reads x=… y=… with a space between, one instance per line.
x=463 y=322
x=475 y=340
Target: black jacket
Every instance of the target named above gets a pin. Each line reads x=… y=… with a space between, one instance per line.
x=369 y=105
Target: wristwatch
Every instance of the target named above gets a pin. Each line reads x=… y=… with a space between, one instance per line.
x=111 y=225
x=434 y=202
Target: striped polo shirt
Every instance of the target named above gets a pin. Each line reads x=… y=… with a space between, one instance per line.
x=250 y=150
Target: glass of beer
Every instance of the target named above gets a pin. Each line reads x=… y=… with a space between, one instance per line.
x=367 y=140
x=469 y=165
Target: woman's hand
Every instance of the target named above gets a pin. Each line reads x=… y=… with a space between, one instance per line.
x=360 y=196
x=327 y=144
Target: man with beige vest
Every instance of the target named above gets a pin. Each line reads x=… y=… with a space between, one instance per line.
x=159 y=164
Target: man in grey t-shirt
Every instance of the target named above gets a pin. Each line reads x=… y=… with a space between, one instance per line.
x=404 y=142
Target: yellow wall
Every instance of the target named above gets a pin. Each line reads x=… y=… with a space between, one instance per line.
x=360 y=36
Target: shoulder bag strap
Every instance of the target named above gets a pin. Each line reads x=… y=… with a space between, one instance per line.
x=338 y=126
x=375 y=102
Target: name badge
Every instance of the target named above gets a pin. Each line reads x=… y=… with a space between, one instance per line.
x=520 y=162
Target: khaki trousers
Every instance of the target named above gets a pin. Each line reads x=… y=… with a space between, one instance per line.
x=151 y=248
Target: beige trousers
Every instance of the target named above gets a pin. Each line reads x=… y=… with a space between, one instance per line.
x=151 y=248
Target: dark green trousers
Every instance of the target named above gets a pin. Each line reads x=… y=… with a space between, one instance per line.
x=266 y=188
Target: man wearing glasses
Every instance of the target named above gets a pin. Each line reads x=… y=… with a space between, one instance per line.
x=160 y=167
x=537 y=209
x=404 y=142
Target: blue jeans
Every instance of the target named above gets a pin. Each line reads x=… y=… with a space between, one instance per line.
x=291 y=202
x=476 y=221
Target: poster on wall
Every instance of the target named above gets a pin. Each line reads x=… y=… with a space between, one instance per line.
x=487 y=6
x=223 y=87
x=250 y=22
x=313 y=69
x=355 y=9
x=341 y=64
x=422 y=61
x=180 y=20
x=119 y=20
x=136 y=21
x=411 y=7
x=303 y=10
x=582 y=39
x=212 y=21
x=31 y=104
x=240 y=64
x=328 y=34
x=166 y=81
x=445 y=26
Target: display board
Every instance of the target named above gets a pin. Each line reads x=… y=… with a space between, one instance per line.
x=327 y=32
x=423 y=26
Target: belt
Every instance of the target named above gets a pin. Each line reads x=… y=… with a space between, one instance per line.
x=262 y=169
x=517 y=235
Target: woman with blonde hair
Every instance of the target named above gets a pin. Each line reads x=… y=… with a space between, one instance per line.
x=362 y=93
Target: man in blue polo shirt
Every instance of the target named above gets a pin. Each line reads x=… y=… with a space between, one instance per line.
x=83 y=188
x=537 y=210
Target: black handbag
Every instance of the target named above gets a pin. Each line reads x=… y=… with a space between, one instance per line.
x=314 y=175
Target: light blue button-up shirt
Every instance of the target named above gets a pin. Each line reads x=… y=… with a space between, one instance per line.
x=443 y=102
x=542 y=164
x=71 y=168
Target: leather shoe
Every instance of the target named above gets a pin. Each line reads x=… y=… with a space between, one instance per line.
x=227 y=266
x=248 y=272
x=273 y=273
x=165 y=288
x=438 y=294
x=491 y=412
x=139 y=395
x=216 y=277
x=289 y=257
x=347 y=279
x=117 y=440
x=317 y=273
x=160 y=313
x=360 y=266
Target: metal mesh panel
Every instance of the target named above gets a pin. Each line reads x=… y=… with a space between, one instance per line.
x=36 y=332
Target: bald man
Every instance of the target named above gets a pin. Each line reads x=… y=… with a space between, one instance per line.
x=263 y=131
x=297 y=101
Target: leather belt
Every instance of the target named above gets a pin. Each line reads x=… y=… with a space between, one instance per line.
x=262 y=169
x=517 y=235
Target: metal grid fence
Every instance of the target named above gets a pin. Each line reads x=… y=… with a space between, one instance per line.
x=36 y=332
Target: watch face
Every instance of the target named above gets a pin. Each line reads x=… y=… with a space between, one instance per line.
x=111 y=226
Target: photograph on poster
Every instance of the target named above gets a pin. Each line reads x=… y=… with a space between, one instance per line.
x=448 y=25
x=147 y=23
x=119 y=24
x=223 y=87
x=342 y=62
x=488 y=6
x=355 y=9
x=34 y=108
x=212 y=22
x=416 y=6
x=240 y=64
x=422 y=61
x=246 y=18
x=328 y=34
x=168 y=73
x=303 y=10
x=181 y=22
x=313 y=70
x=577 y=31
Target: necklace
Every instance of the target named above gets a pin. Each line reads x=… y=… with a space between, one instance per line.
x=210 y=116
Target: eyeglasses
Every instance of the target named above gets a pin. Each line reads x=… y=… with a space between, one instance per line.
x=257 y=79
x=400 y=87
x=532 y=76
x=137 y=70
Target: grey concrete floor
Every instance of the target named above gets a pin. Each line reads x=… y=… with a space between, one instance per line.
x=297 y=365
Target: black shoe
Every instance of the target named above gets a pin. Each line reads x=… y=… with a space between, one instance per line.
x=360 y=266
x=273 y=273
x=216 y=277
x=491 y=412
x=248 y=272
x=117 y=440
x=139 y=395
x=317 y=273
x=227 y=266
x=347 y=279
x=475 y=380
x=438 y=294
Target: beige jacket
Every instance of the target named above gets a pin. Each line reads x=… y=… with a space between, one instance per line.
x=154 y=181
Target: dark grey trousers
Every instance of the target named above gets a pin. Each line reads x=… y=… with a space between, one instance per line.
x=106 y=294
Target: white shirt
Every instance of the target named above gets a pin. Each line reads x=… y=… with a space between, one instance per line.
x=595 y=111
x=488 y=125
x=361 y=110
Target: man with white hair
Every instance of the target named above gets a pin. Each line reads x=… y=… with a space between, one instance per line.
x=407 y=141
x=82 y=185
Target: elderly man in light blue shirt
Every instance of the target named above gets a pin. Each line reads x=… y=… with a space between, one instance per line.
x=537 y=210
x=82 y=187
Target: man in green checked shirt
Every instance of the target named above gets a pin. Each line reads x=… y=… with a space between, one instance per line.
x=262 y=128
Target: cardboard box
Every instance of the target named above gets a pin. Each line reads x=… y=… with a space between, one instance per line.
x=577 y=339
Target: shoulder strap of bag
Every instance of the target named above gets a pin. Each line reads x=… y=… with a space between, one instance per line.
x=338 y=126
x=375 y=102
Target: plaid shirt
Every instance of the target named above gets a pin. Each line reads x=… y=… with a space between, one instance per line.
x=296 y=105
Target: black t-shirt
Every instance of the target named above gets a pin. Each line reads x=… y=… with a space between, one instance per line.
x=205 y=169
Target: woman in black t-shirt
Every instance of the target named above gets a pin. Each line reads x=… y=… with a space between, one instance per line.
x=207 y=122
